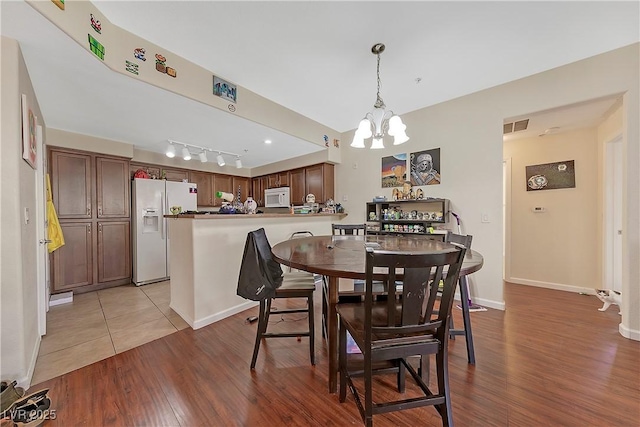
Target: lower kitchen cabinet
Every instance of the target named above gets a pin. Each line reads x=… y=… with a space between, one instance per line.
x=72 y=264
x=114 y=253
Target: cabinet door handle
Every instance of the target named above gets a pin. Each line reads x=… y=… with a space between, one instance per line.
x=100 y=228
x=88 y=211
x=88 y=229
x=99 y=211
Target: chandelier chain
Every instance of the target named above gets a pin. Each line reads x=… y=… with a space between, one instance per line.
x=379 y=102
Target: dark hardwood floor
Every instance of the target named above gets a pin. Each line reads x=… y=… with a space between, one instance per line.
x=550 y=359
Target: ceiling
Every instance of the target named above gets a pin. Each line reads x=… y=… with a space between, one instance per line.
x=311 y=57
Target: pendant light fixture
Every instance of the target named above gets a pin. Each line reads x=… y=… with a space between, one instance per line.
x=379 y=121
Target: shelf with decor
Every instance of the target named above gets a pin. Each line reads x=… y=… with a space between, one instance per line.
x=407 y=217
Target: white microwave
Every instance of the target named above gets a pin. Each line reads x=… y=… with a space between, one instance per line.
x=277 y=197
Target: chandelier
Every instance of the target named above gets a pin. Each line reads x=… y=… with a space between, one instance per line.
x=379 y=121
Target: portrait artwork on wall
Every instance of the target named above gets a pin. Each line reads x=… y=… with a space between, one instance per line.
x=394 y=170
x=425 y=167
x=29 y=141
x=551 y=176
x=224 y=89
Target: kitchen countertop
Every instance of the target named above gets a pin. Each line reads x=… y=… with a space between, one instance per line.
x=246 y=216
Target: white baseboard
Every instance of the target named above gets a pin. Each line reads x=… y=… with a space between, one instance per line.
x=629 y=333
x=199 y=323
x=498 y=305
x=550 y=285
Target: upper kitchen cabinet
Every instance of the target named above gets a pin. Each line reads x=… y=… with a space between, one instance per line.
x=258 y=186
x=71 y=184
x=178 y=175
x=112 y=187
x=223 y=183
x=298 y=187
x=204 y=181
x=243 y=183
x=319 y=181
x=277 y=180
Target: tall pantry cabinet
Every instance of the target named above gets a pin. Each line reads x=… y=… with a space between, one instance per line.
x=91 y=194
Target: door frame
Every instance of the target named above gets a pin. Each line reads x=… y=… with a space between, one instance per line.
x=42 y=258
x=506 y=225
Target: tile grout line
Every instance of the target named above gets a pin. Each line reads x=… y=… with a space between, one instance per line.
x=156 y=305
x=106 y=323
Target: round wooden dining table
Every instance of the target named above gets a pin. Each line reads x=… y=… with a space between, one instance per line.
x=344 y=257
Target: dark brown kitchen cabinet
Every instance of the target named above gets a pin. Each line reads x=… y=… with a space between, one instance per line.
x=222 y=183
x=204 y=181
x=243 y=183
x=178 y=175
x=72 y=264
x=114 y=254
x=92 y=194
x=298 y=186
x=277 y=180
x=71 y=186
x=112 y=187
x=258 y=186
x=319 y=181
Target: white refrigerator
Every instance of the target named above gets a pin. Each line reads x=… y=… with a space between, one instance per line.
x=151 y=199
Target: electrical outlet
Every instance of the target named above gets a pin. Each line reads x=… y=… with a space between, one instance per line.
x=345 y=198
x=355 y=165
x=485 y=218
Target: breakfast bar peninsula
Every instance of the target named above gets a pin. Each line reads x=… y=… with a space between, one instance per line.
x=206 y=252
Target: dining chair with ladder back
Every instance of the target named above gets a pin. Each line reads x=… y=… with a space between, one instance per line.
x=404 y=325
x=261 y=279
x=464 y=300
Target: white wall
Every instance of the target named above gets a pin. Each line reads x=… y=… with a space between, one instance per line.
x=20 y=339
x=468 y=131
x=558 y=248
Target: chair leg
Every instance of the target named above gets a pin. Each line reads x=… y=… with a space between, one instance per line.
x=312 y=336
x=401 y=376
x=324 y=307
x=342 y=363
x=368 y=392
x=263 y=318
x=443 y=388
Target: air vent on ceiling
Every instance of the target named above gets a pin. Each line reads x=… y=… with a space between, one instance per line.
x=520 y=125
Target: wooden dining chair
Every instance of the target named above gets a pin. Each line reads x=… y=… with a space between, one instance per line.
x=403 y=326
x=464 y=300
x=261 y=279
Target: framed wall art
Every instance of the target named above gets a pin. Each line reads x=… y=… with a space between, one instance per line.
x=551 y=176
x=29 y=140
x=394 y=170
x=224 y=89
x=425 y=167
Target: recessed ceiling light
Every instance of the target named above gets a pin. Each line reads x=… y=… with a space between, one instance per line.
x=267 y=141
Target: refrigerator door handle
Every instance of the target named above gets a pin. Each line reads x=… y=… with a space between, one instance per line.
x=166 y=209
x=162 y=220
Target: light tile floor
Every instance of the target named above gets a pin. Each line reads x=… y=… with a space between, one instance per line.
x=99 y=324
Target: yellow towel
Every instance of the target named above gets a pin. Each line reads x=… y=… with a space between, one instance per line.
x=54 y=230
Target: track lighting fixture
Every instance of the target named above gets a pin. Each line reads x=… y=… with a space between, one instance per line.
x=202 y=155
